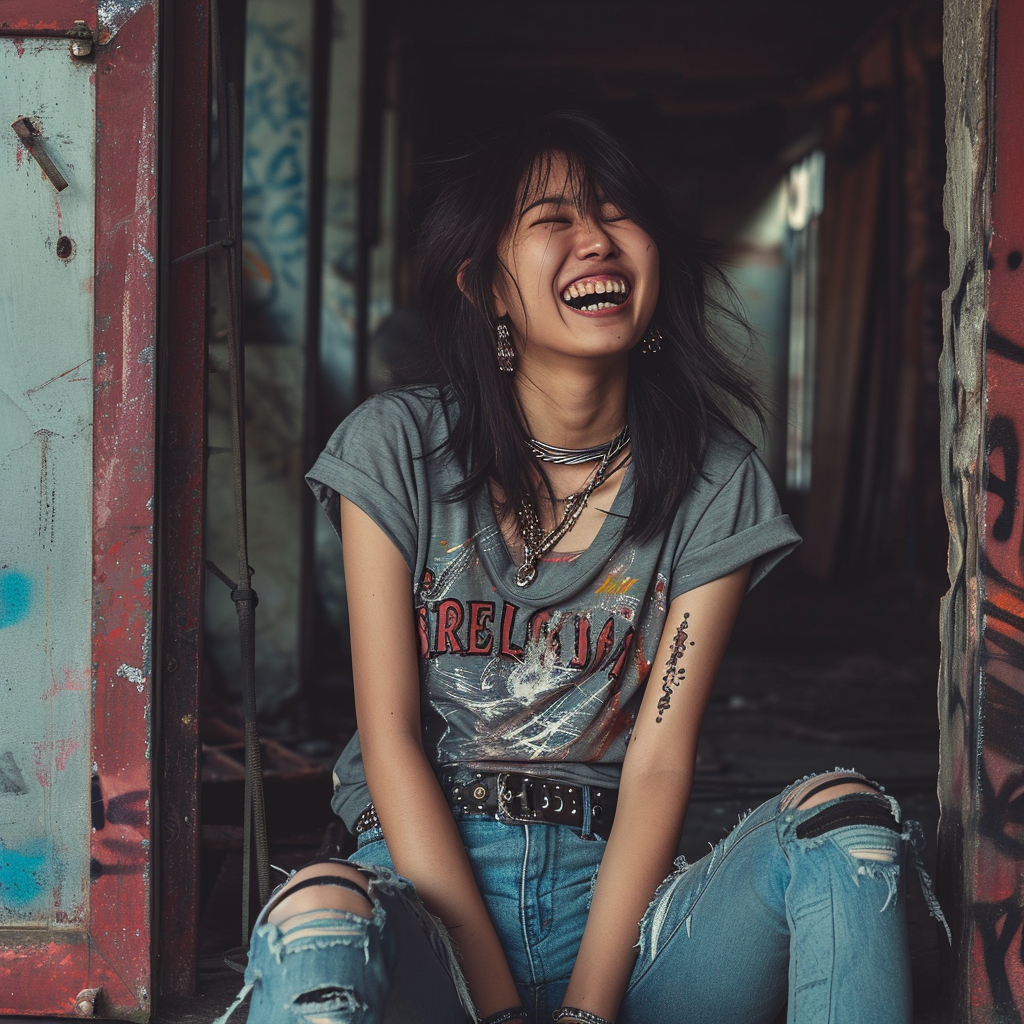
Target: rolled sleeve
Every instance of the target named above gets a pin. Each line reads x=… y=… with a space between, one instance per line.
x=742 y=523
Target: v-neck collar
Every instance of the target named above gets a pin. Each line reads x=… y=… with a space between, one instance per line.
x=555 y=580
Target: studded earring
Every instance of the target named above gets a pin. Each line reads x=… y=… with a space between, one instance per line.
x=506 y=351
x=651 y=341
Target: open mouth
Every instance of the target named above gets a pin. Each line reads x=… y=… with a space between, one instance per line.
x=590 y=294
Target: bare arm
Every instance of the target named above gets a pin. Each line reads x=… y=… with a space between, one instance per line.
x=657 y=777
x=421 y=833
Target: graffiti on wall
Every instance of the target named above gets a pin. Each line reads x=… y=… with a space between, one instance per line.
x=999 y=906
x=46 y=443
x=275 y=163
x=998 y=911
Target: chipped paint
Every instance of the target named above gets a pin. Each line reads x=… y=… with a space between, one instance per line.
x=82 y=538
x=111 y=16
x=46 y=500
x=133 y=675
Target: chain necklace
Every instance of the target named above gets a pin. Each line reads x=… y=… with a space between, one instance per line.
x=578 y=456
x=537 y=543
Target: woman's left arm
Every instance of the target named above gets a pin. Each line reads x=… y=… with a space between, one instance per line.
x=657 y=776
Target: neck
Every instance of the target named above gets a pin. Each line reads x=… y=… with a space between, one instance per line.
x=574 y=408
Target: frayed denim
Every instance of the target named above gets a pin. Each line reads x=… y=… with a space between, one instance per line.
x=335 y=967
x=798 y=905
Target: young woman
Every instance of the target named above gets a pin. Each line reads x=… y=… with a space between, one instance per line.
x=544 y=556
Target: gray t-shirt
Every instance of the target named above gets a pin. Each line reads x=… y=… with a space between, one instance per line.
x=546 y=678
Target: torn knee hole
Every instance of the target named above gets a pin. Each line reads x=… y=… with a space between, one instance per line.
x=331 y=1004
x=888 y=856
x=856 y=808
x=328 y=995
x=842 y=785
x=329 y=925
x=322 y=887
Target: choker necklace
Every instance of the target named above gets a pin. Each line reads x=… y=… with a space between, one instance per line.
x=537 y=543
x=578 y=456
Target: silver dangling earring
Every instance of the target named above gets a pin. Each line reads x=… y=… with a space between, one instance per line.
x=506 y=351
x=651 y=341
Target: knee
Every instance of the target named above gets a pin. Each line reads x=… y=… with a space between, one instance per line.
x=851 y=799
x=329 y=886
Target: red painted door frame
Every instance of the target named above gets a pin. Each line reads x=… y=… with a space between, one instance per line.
x=108 y=969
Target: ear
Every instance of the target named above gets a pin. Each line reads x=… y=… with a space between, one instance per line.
x=500 y=308
x=460 y=278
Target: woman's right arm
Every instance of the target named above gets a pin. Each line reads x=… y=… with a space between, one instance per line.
x=422 y=837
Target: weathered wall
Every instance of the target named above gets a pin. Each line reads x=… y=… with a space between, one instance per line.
x=77 y=357
x=275 y=206
x=982 y=376
x=46 y=419
x=961 y=382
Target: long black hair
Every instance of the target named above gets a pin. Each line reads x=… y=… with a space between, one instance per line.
x=673 y=395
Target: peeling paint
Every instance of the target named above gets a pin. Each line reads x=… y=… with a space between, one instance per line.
x=133 y=675
x=59 y=877
x=111 y=16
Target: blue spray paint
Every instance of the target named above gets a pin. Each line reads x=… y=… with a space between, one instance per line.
x=15 y=597
x=25 y=874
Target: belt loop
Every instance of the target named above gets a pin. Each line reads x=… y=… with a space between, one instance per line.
x=587 y=823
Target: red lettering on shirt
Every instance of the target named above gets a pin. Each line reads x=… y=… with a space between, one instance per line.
x=449 y=618
x=582 y=655
x=508 y=621
x=604 y=643
x=481 y=639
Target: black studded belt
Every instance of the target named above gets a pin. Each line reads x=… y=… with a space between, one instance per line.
x=532 y=799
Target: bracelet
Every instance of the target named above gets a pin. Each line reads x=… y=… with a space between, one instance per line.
x=506 y=1016
x=583 y=1016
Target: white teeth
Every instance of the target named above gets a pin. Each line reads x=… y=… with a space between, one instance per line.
x=578 y=290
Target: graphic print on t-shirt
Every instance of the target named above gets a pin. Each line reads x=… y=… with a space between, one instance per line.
x=504 y=682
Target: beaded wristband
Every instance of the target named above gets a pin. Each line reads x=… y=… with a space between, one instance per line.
x=584 y=1016
x=506 y=1016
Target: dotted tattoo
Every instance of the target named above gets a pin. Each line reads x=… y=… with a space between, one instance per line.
x=674 y=672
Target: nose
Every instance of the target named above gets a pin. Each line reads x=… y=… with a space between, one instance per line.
x=594 y=239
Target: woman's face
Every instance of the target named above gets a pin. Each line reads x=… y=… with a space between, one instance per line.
x=584 y=283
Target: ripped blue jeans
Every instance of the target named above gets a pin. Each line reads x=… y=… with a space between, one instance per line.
x=804 y=905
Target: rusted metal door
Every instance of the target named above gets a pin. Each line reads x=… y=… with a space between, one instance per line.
x=77 y=333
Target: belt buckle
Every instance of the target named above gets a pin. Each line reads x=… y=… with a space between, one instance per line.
x=506 y=794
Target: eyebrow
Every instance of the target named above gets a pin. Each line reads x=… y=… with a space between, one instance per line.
x=545 y=200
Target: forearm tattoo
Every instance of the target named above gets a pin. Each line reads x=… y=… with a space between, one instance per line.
x=674 y=672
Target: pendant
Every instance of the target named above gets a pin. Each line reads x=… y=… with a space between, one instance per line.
x=526 y=575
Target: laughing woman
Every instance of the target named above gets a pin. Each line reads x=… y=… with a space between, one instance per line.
x=545 y=553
